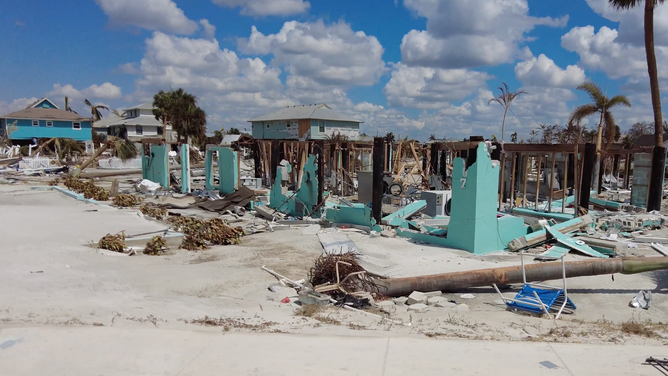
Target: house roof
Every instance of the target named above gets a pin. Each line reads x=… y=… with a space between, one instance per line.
x=113 y=120
x=45 y=113
x=647 y=140
x=143 y=106
x=38 y=102
x=309 y=111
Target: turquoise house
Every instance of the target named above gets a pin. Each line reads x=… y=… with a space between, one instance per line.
x=306 y=122
x=43 y=119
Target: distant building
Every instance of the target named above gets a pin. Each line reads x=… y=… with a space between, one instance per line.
x=307 y=122
x=136 y=123
x=43 y=119
x=648 y=140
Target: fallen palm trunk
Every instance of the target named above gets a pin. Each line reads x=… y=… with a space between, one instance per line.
x=448 y=282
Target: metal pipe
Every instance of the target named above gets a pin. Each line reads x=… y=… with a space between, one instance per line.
x=450 y=282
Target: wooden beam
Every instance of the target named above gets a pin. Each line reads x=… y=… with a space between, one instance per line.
x=565 y=185
x=526 y=172
x=513 y=157
x=552 y=183
x=540 y=161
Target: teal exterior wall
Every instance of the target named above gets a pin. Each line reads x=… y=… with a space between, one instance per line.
x=345 y=128
x=155 y=166
x=279 y=130
x=60 y=129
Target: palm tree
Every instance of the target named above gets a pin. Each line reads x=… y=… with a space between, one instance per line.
x=505 y=99
x=180 y=109
x=533 y=135
x=513 y=137
x=95 y=113
x=651 y=59
x=67 y=106
x=601 y=105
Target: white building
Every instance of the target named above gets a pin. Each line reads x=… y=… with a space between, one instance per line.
x=136 y=123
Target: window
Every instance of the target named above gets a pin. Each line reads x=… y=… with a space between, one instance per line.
x=49 y=124
x=321 y=125
x=139 y=130
x=288 y=125
x=35 y=123
x=76 y=126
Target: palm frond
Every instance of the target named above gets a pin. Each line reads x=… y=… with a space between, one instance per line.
x=594 y=92
x=618 y=100
x=624 y=4
x=87 y=102
x=102 y=107
x=582 y=112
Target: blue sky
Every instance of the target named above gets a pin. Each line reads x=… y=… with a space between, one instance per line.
x=413 y=67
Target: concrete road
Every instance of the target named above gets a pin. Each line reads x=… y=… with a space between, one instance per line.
x=90 y=351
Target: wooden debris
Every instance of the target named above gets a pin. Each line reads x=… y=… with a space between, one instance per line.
x=126 y=200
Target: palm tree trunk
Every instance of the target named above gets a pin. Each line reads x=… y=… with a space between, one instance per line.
x=653 y=73
x=503 y=123
x=597 y=165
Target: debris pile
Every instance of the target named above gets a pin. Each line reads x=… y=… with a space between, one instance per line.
x=330 y=275
x=201 y=234
x=126 y=200
x=156 y=246
x=87 y=188
x=111 y=242
x=153 y=210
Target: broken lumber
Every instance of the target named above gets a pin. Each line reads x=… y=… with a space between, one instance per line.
x=540 y=236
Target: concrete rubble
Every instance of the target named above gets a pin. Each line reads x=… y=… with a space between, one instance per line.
x=255 y=236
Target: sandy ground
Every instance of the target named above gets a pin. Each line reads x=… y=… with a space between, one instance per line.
x=50 y=275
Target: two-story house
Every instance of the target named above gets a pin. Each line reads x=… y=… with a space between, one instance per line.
x=44 y=119
x=307 y=122
x=136 y=123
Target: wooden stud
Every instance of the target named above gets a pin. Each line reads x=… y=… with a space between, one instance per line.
x=540 y=161
x=565 y=185
x=503 y=183
x=513 y=157
x=526 y=173
x=551 y=182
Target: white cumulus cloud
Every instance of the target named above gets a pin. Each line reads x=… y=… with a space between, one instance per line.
x=104 y=91
x=469 y=33
x=431 y=88
x=208 y=30
x=321 y=55
x=542 y=71
x=162 y=15
x=15 y=105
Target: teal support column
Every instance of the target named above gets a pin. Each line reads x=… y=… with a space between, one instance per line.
x=228 y=169
x=155 y=165
x=474 y=225
x=185 y=168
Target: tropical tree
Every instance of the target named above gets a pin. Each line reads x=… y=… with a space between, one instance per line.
x=67 y=105
x=601 y=105
x=533 y=135
x=505 y=99
x=389 y=136
x=513 y=137
x=651 y=59
x=180 y=109
x=234 y=131
x=432 y=137
x=95 y=112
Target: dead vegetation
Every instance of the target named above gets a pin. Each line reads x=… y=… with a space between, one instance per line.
x=233 y=323
x=153 y=210
x=199 y=234
x=111 y=242
x=126 y=200
x=87 y=188
x=316 y=312
x=156 y=246
x=324 y=271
